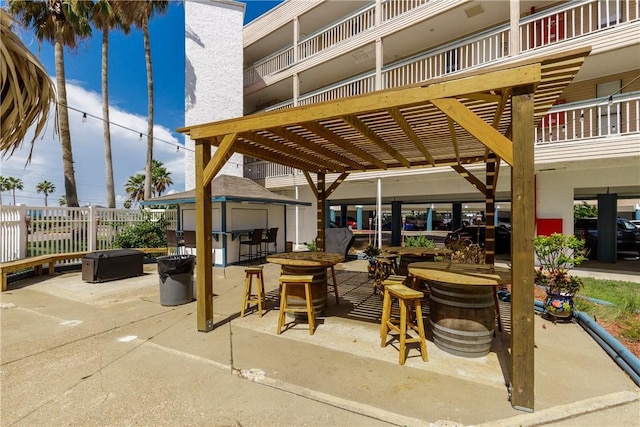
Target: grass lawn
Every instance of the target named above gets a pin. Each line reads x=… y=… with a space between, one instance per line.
x=625 y=312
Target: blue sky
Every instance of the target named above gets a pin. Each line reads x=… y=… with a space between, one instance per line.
x=128 y=99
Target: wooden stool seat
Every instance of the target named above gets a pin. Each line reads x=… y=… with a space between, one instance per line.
x=249 y=297
x=406 y=297
x=296 y=280
x=385 y=267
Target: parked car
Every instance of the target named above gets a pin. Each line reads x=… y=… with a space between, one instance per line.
x=469 y=234
x=635 y=222
x=628 y=235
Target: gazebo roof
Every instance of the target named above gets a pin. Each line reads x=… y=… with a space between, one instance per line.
x=229 y=188
x=428 y=124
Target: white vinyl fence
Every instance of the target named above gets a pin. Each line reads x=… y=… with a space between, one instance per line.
x=29 y=231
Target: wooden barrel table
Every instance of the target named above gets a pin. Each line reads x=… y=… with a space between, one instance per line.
x=307 y=263
x=462 y=309
x=410 y=254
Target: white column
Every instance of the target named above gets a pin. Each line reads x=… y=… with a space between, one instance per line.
x=296 y=36
x=514 y=17
x=379 y=63
x=22 y=244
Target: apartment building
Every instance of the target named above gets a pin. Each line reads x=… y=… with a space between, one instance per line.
x=587 y=147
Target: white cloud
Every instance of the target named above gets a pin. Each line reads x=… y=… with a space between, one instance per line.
x=128 y=153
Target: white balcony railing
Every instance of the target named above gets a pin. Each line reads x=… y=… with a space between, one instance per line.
x=575 y=19
x=618 y=115
x=358 y=85
x=565 y=22
x=394 y=8
x=461 y=55
x=338 y=32
x=272 y=64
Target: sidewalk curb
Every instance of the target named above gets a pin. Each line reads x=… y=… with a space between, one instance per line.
x=570 y=410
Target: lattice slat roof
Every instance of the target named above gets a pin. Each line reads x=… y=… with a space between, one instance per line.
x=428 y=124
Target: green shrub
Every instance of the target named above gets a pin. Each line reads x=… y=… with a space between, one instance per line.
x=146 y=234
x=419 y=242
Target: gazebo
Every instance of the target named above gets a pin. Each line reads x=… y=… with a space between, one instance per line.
x=482 y=116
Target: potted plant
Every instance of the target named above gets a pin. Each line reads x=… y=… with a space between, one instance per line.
x=371 y=252
x=557 y=255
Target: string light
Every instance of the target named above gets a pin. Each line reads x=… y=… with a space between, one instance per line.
x=85 y=116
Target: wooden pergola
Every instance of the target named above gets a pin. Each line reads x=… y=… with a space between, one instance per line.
x=484 y=116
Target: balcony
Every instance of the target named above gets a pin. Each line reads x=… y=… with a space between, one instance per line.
x=564 y=23
x=600 y=122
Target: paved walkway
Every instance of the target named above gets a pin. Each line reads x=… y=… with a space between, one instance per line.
x=85 y=354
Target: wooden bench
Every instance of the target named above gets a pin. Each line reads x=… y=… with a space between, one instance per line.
x=38 y=261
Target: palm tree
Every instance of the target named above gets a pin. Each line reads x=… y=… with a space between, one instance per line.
x=12 y=184
x=62 y=201
x=161 y=178
x=3 y=186
x=65 y=23
x=47 y=188
x=135 y=187
x=27 y=91
x=105 y=19
x=138 y=13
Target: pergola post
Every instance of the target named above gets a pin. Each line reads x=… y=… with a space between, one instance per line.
x=204 y=271
x=320 y=201
x=522 y=269
x=490 y=210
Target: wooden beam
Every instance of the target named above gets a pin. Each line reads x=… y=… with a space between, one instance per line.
x=321 y=211
x=522 y=269
x=454 y=140
x=486 y=97
x=310 y=145
x=273 y=156
x=325 y=133
x=311 y=183
x=477 y=127
x=362 y=127
x=375 y=101
x=473 y=180
x=497 y=118
x=490 y=210
x=396 y=114
x=335 y=184
x=222 y=154
x=204 y=270
x=283 y=149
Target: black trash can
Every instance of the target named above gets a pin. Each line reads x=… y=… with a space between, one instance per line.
x=176 y=279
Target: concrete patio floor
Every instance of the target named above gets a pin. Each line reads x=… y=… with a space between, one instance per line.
x=79 y=353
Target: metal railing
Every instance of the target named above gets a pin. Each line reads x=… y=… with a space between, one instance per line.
x=30 y=231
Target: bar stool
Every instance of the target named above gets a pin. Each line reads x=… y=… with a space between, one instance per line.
x=406 y=297
x=385 y=266
x=295 y=280
x=335 y=283
x=249 y=297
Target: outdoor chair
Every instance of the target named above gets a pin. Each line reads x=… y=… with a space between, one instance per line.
x=173 y=241
x=254 y=241
x=272 y=234
x=189 y=239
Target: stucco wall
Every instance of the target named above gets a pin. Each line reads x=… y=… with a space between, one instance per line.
x=213 y=71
